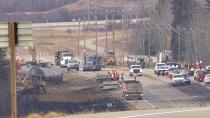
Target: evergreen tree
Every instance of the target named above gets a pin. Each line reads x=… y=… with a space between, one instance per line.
x=183 y=11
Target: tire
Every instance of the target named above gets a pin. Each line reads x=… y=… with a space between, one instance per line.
x=68 y=69
x=140 y=98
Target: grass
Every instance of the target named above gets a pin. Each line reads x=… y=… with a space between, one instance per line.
x=48 y=115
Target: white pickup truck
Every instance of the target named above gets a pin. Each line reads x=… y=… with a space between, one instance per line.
x=160 y=68
x=135 y=70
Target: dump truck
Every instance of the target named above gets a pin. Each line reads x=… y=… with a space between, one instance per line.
x=92 y=63
x=110 y=59
x=62 y=58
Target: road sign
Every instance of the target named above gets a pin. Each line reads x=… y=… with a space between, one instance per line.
x=4 y=34
x=23 y=34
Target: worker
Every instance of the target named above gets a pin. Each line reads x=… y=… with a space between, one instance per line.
x=121 y=78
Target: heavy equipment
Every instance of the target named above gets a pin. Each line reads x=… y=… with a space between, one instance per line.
x=92 y=62
x=110 y=59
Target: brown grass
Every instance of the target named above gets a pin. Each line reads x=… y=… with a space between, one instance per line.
x=48 y=115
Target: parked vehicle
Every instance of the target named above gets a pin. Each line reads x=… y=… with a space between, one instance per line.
x=207 y=79
x=92 y=63
x=73 y=64
x=179 y=79
x=187 y=80
x=111 y=59
x=132 y=89
x=173 y=65
x=162 y=70
x=199 y=75
x=157 y=67
x=65 y=58
x=135 y=70
x=171 y=71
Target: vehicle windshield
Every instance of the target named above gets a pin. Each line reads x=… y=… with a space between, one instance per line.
x=161 y=64
x=67 y=55
x=74 y=61
x=90 y=58
x=178 y=76
x=135 y=66
x=173 y=69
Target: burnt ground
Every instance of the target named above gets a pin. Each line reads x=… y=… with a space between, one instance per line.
x=4 y=89
x=77 y=94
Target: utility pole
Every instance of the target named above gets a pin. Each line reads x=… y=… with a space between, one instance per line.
x=113 y=33
x=179 y=45
x=78 y=40
x=89 y=11
x=96 y=23
x=12 y=38
x=84 y=30
x=123 y=30
x=106 y=32
x=149 y=49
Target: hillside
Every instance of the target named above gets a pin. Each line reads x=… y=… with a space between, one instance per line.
x=66 y=10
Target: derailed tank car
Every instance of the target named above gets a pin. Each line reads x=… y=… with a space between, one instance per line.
x=50 y=73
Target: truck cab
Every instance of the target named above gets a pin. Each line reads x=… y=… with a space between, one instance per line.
x=65 y=58
x=92 y=63
x=111 y=59
x=135 y=70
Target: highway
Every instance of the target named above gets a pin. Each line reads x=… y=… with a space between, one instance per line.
x=80 y=93
x=157 y=113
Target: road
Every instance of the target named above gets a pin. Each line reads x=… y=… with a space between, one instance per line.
x=90 y=44
x=157 y=113
x=80 y=93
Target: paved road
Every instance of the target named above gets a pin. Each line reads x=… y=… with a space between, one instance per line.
x=161 y=100
x=80 y=92
x=158 y=113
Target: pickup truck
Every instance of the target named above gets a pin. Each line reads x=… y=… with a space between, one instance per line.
x=72 y=64
x=135 y=70
x=131 y=89
x=161 y=69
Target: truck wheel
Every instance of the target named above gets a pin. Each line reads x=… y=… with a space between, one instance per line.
x=140 y=98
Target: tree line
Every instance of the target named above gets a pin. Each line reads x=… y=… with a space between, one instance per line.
x=180 y=25
x=31 y=5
